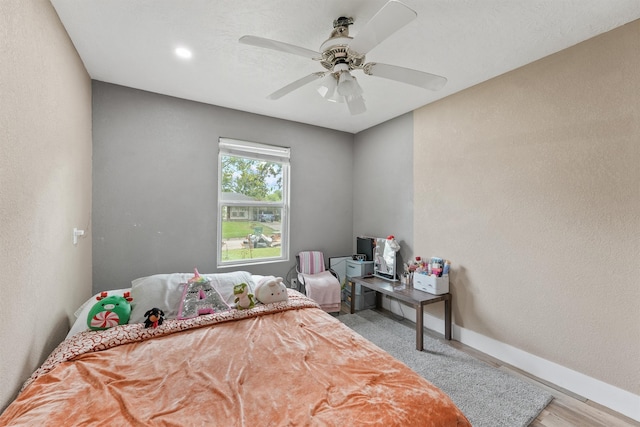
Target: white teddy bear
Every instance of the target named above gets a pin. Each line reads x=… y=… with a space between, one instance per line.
x=271 y=289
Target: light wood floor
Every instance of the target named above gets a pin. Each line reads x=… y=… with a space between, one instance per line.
x=566 y=409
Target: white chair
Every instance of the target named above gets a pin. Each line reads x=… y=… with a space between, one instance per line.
x=317 y=282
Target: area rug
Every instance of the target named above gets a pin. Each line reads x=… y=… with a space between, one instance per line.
x=488 y=397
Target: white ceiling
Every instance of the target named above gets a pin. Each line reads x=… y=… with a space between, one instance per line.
x=132 y=42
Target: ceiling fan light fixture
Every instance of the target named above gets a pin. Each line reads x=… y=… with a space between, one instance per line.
x=336 y=98
x=355 y=104
x=328 y=85
x=348 y=85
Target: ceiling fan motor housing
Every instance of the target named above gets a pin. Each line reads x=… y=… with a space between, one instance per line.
x=335 y=50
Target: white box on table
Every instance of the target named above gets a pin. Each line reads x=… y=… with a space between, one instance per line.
x=432 y=284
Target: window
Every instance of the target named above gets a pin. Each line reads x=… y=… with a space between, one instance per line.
x=253 y=203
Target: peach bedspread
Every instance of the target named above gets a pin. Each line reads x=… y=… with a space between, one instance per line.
x=288 y=364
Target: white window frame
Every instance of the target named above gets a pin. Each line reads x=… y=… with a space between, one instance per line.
x=256 y=151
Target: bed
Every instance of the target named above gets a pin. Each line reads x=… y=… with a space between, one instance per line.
x=286 y=363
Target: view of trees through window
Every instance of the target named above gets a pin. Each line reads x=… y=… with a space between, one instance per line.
x=252 y=207
x=258 y=179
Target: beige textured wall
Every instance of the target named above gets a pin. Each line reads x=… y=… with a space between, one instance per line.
x=45 y=187
x=530 y=183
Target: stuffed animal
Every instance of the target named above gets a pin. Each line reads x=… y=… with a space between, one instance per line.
x=199 y=297
x=271 y=289
x=109 y=311
x=154 y=317
x=244 y=299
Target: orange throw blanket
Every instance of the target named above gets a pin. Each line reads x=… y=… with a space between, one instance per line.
x=281 y=364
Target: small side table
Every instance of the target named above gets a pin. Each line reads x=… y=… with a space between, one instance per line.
x=417 y=299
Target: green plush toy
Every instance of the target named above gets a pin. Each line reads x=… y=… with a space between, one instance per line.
x=244 y=300
x=109 y=311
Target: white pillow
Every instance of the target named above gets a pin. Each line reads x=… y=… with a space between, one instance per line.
x=164 y=291
x=224 y=283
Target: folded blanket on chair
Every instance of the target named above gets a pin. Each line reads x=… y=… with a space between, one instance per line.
x=323 y=288
x=311 y=262
x=330 y=308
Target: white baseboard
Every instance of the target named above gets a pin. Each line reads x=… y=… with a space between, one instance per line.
x=617 y=399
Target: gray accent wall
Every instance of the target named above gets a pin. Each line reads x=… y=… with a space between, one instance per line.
x=383 y=182
x=155 y=184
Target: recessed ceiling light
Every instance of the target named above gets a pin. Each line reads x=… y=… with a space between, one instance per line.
x=183 y=52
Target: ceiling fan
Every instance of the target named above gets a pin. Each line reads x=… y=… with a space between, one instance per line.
x=342 y=54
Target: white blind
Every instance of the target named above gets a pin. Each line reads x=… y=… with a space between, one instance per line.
x=255 y=150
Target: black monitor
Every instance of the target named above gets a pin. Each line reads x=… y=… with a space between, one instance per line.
x=365 y=246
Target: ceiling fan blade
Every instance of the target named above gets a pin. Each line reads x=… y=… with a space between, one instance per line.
x=405 y=75
x=281 y=46
x=296 y=85
x=355 y=104
x=393 y=16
